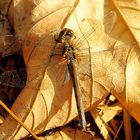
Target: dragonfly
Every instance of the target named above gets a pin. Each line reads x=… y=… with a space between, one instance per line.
x=73 y=58
x=64 y=38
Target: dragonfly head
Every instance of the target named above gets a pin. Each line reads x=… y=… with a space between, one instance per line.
x=65 y=35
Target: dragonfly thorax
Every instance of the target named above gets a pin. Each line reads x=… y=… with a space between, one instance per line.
x=65 y=39
x=68 y=53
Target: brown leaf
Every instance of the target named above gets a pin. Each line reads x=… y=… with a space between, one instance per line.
x=109 y=112
x=115 y=62
x=70 y=134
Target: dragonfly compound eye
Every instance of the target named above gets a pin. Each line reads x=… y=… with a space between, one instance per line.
x=69 y=33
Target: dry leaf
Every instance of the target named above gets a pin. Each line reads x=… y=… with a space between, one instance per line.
x=70 y=134
x=130 y=10
x=103 y=116
x=101 y=125
x=47 y=105
x=109 y=112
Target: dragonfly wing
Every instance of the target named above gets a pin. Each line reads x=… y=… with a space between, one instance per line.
x=35 y=77
x=67 y=75
x=41 y=35
x=95 y=32
x=100 y=58
x=15 y=78
x=58 y=70
x=107 y=67
x=22 y=77
x=94 y=37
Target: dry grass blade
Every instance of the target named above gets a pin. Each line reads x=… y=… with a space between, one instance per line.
x=18 y=120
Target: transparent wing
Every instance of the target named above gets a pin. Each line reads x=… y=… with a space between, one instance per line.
x=95 y=32
x=9 y=44
x=107 y=67
x=98 y=56
x=92 y=60
x=58 y=70
x=14 y=78
x=23 y=77
x=41 y=35
x=10 y=48
x=81 y=45
x=97 y=63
